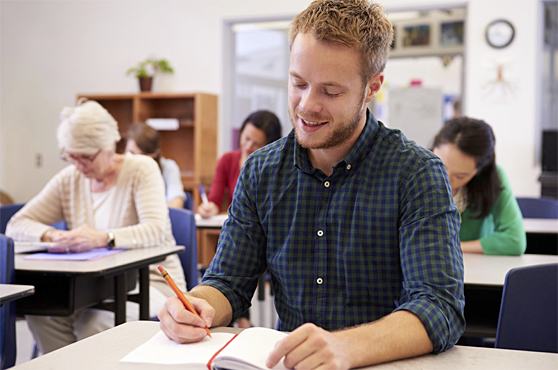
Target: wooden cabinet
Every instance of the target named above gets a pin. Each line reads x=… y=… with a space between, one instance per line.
x=193 y=145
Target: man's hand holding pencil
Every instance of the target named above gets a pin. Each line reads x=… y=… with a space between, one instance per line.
x=185 y=320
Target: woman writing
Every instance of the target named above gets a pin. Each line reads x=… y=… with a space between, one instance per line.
x=106 y=199
x=258 y=129
x=491 y=221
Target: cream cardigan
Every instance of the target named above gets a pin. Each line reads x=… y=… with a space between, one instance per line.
x=139 y=216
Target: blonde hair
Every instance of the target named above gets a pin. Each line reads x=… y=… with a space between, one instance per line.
x=354 y=23
x=86 y=128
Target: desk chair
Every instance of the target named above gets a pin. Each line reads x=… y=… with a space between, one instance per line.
x=189 y=201
x=538 y=207
x=183 y=224
x=7 y=310
x=529 y=311
x=6 y=212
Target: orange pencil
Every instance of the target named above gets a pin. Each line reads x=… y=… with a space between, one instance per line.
x=180 y=295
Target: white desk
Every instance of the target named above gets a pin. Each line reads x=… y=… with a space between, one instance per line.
x=10 y=292
x=215 y=221
x=491 y=270
x=104 y=351
x=540 y=225
x=62 y=287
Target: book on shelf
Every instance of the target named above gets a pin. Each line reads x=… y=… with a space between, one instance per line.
x=247 y=350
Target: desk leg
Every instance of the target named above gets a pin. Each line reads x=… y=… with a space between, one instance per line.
x=119 y=299
x=144 y=293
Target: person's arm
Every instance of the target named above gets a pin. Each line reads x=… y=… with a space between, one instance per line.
x=219 y=184
x=397 y=335
x=472 y=246
x=173 y=184
x=231 y=279
x=509 y=236
x=34 y=219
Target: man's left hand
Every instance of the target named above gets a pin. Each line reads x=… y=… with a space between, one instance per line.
x=311 y=347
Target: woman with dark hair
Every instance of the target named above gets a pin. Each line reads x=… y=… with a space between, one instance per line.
x=258 y=129
x=143 y=139
x=491 y=221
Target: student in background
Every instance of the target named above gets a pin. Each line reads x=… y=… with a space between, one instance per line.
x=353 y=222
x=258 y=129
x=143 y=139
x=491 y=220
x=106 y=199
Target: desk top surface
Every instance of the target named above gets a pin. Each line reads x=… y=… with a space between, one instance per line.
x=104 y=351
x=541 y=225
x=491 y=270
x=9 y=292
x=212 y=222
x=100 y=265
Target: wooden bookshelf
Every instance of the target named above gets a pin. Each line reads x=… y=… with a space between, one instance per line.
x=193 y=145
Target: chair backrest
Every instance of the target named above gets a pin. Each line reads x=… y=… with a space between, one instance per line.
x=529 y=310
x=188 y=201
x=6 y=212
x=183 y=224
x=7 y=310
x=538 y=207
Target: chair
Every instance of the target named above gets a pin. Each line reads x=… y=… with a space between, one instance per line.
x=188 y=201
x=183 y=225
x=529 y=312
x=6 y=212
x=538 y=207
x=7 y=310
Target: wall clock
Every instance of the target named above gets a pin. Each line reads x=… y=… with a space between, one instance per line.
x=499 y=33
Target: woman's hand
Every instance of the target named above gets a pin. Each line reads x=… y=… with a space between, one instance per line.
x=80 y=239
x=208 y=209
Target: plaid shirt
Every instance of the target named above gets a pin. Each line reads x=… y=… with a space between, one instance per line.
x=378 y=235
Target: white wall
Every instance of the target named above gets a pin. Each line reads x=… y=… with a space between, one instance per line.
x=53 y=49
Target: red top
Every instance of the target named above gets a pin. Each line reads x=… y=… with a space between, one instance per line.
x=226 y=175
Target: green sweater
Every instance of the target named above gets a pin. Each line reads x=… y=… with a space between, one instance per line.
x=502 y=231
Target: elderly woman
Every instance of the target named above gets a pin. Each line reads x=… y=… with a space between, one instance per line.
x=106 y=199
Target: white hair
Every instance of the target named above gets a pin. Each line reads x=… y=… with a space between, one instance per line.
x=86 y=128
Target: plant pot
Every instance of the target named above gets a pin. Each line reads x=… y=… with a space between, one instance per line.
x=145 y=83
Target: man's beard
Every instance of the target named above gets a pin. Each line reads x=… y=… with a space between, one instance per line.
x=337 y=136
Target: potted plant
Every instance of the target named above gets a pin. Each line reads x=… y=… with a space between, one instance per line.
x=146 y=69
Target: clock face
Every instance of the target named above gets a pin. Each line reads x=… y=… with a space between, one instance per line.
x=499 y=33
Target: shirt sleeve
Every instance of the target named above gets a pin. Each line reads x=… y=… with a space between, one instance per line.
x=173 y=180
x=35 y=218
x=431 y=258
x=219 y=184
x=509 y=236
x=153 y=227
x=240 y=257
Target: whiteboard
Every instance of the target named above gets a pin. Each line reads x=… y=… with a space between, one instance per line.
x=417 y=112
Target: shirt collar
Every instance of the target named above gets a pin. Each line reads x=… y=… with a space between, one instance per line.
x=359 y=150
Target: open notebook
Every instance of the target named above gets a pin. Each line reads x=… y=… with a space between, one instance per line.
x=245 y=351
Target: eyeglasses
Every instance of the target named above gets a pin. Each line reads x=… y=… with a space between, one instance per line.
x=80 y=158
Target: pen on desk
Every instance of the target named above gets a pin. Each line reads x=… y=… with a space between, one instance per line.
x=180 y=294
x=203 y=195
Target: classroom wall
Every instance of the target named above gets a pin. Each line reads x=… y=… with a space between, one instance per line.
x=52 y=49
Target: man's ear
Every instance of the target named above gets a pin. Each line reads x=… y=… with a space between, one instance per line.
x=374 y=84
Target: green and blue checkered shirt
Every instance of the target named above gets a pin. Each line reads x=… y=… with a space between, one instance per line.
x=378 y=235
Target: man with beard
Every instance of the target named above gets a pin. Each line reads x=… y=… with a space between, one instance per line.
x=354 y=223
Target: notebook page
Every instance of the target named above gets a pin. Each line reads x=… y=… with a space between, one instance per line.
x=161 y=350
x=251 y=347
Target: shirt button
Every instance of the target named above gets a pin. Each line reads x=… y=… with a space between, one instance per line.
x=348 y=167
x=327 y=184
x=319 y=281
x=320 y=233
